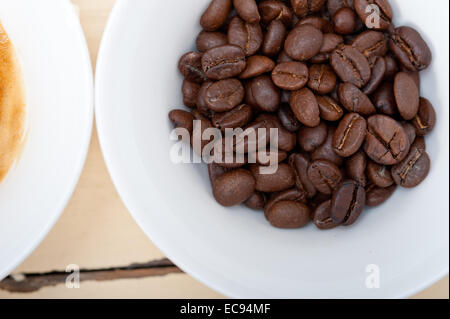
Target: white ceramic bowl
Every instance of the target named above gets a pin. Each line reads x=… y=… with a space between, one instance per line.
x=59 y=92
x=235 y=250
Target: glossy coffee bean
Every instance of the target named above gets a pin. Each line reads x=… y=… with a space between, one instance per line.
x=303 y=42
x=378 y=71
x=247 y=10
x=223 y=62
x=209 y=40
x=289 y=215
x=410 y=49
x=275 y=10
x=348 y=203
x=322 y=216
x=310 y=138
x=300 y=163
x=425 y=120
x=190 y=66
x=355 y=168
x=330 y=110
x=190 y=92
x=224 y=95
x=249 y=37
x=290 y=76
x=386 y=141
x=279 y=181
x=288 y=119
x=384 y=99
x=182 y=119
x=371 y=44
x=274 y=38
x=325 y=176
x=351 y=66
x=257 y=201
x=366 y=15
x=406 y=96
x=349 y=135
x=215 y=15
x=354 y=100
x=375 y=196
x=234 y=187
x=257 y=65
x=305 y=7
x=237 y=117
x=326 y=150
x=413 y=169
x=344 y=21
x=322 y=79
x=262 y=93
x=304 y=105
x=379 y=175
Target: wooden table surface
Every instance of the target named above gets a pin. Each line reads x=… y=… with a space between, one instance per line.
x=98 y=234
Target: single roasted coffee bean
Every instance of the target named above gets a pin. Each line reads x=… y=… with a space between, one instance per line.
x=215 y=15
x=304 y=105
x=190 y=66
x=334 y=5
x=384 y=13
x=236 y=118
x=249 y=37
x=371 y=44
x=289 y=215
x=379 y=175
x=275 y=10
x=344 y=21
x=300 y=163
x=375 y=196
x=391 y=68
x=209 y=40
x=415 y=75
x=348 y=203
x=410 y=49
x=182 y=119
x=386 y=141
x=325 y=176
x=290 y=76
x=349 y=135
x=305 y=7
x=257 y=201
x=351 y=65
x=378 y=71
x=322 y=79
x=247 y=10
x=257 y=65
x=329 y=109
x=282 y=179
x=317 y=22
x=292 y=195
x=234 y=187
x=384 y=99
x=303 y=42
x=406 y=96
x=224 y=95
x=310 y=138
x=355 y=168
x=354 y=100
x=425 y=120
x=274 y=38
x=410 y=130
x=223 y=62
x=326 y=150
x=288 y=119
x=262 y=93
x=330 y=42
x=322 y=216
x=413 y=169
x=190 y=92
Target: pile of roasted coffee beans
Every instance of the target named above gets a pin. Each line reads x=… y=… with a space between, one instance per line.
x=343 y=94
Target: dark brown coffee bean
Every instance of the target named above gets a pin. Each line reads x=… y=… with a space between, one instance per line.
x=279 y=181
x=415 y=75
x=283 y=57
x=354 y=100
x=334 y=5
x=330 y=42
x=317 y=22
x=214 y=172
x=383 y=15
x=322 y=216
x=289 y=215
x=190 y=91
x=379 y=175
x=215 y=15
x=182 y=119
x=348 y=203
x=257 y=65
x=391 y=68
x=190 y=66
x=303 y=42
x=223 y=62
x=326 y=150
x=344 y=21
x=247 y=10
x=386 y=140
x=300 y=163
x=304 y=105
x=349 y=135
x=237 y=117
x=290 y=76
x=413 y=169
x=406 y=96
x=378 y=71
x=249 y=37
x=275 y=10
x=325 y=176
x=351 y=65
x=310 y=138
x=234 y=187
x=274 y=38
x=320 y=58
x=355 y=168
x=224 y=95
x=209 y=40
x=330 y=110
x=288 y=119
x=201 y=102
x=321 y=78
x=410 y=130
x=375 y=196
x=410 y=49
x=425 y=120
x=384 y=99
x=263 y=94
x=305 y=7
x=293 y=195
x=257 y=201
x=371 y=44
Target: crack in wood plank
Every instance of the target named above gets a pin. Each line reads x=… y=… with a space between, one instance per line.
x=32 y=282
